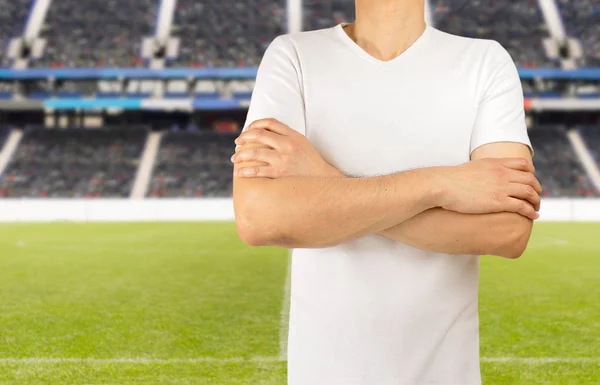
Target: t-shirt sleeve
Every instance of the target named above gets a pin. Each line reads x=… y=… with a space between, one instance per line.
x=501 y=112
x=278 y=92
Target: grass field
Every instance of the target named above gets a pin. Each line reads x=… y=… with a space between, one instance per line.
x=183 y=303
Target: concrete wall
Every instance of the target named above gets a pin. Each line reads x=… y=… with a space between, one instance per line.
x=114 y=210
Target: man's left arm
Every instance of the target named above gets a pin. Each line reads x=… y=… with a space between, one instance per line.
x=499 y=131
x=502 y=234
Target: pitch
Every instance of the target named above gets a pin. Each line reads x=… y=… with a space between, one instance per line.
x=188 y=303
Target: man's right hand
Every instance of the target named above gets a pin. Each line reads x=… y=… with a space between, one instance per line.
x=491 y=185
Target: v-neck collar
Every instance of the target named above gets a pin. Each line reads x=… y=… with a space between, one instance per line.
x=339 y=29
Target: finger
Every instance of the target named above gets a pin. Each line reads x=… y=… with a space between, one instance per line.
x=260 y=135
x=259 y=154
x=521 y=164
x=526 y=178
x=527 y=193
x=255 y=172
x=521 y=207
x=273 y=125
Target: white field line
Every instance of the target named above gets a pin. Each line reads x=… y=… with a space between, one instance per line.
x=137 y=360
x=285 y=311
x=200 y=360
x=126 y=250
x=545 y=242
x=543 y=360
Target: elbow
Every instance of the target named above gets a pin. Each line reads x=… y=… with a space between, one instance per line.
x=251 y=232
x=258 y=229
x=514 y=242
x=262 y=219
x=249 y=235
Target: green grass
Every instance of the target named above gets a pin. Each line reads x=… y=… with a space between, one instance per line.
x=181 y=291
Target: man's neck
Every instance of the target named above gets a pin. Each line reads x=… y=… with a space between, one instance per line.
x=386 y=28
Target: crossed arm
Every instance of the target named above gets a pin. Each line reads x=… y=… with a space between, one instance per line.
x=285 y=194
x=503 y=234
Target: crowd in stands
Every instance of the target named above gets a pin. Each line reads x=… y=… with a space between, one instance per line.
x=231 y=33
x=318 y=14
x=97 y=33
x=226 y=33
x=74 y=163
x=98 y=163
x=557 y=166
x=13 y=14
x=193 y=164
x=591 y=136
x=518 y=25
x=582 y=21
x=3 y=135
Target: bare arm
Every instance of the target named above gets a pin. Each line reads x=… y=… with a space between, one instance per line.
x=319 y=211
x=285 y=194
x=501 y=234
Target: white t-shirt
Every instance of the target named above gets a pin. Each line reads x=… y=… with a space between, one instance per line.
x=375 y=311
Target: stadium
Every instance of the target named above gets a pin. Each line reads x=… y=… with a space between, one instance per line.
x=119 y=257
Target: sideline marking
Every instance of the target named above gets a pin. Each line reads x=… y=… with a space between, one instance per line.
x=285 y=311
x=143 y=360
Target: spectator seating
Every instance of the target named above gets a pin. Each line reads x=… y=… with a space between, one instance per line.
x=4 y=131
x=226 y=33
x=582 y=21
x=518 y=25
x=591 y=135
x=97 y=33
x=557 y=166
x=193 y=164
x=78 y=163
x=13 y=14
x=320 y=14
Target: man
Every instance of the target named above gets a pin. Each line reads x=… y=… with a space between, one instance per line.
x=389 y=155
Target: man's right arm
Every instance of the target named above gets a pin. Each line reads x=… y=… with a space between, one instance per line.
x=309 y=212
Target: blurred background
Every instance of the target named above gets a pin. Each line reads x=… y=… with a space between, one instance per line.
x=119 y=260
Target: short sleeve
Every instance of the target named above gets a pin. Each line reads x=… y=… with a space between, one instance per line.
x=278 y=93
x=501 y=112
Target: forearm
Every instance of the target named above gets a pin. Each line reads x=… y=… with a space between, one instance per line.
x=439 y=230
x=318 y=212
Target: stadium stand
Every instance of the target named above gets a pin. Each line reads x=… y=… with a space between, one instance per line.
x=4 y=131
x=320 y=14
x=591 y=135
x=557 y=166
x=13 y=14
x=517 y=25
x=78 y=163
x=582 y=21
x=97 y=33
x=194 y=164
x=226 y=33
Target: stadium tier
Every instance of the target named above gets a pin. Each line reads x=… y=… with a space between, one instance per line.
x=229 y=33
x=557 y=166
x=320 y=14
x=591 y=136
x=192 y=164
x=4 y=131
x=582 y=21
x=96 y=33
x=226 y=33
x=517 y=25
x=74 y=163
x=94 y=163
x=12 y=20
